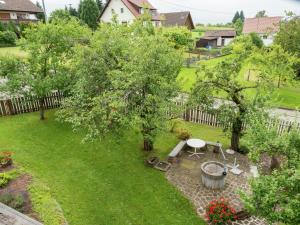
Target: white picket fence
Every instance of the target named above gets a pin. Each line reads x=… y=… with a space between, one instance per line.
x=197 y=115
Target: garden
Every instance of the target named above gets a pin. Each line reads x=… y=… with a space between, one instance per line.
x=121 y=104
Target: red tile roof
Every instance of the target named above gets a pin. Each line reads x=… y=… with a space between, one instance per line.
x=134 y=6
x=142 y=3
x=177 y=19
x=262 y=25
x=19 y=6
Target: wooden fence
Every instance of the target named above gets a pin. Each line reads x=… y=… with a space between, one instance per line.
x=27 y=104
x=197 y=115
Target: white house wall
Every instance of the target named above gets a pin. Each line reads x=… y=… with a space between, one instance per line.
x=116 y=6
x=227 y=41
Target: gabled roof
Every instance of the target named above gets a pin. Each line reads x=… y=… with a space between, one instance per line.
x=132 y=5
x=19 y=6
x=220 y=33
x=142 y=3
x=262 y=25
x=177 y=18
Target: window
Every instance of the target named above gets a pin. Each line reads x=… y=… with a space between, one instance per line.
x=122 y=10
x=124 y=23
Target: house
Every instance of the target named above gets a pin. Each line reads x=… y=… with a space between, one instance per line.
x=128 y=10
x=265 y=27
x=216 y=38
x=19 y=11
x=178 y=19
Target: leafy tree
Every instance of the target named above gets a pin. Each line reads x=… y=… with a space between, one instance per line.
x=238 y=25
x=41 y=15
x=89 y=13
x=225 y=78
x=289 y=37
x=126 y=77
x=242 y=16
x=236 y=17
x=49 y=47
x=2 y=26
x=72 y=11
x=59 y=14
x=256 y=40
x=277 y=62
x=275 y=196
x=180 y=37
x=261 y=13
x=100 y=5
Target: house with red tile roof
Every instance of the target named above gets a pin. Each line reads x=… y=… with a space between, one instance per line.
x=128 y=10
x=19 y=11
x=178 y=19
x=265 y=27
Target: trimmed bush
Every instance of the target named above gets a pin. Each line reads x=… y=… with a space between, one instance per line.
x=7 y=38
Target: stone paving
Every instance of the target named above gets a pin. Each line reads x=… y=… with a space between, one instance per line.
x=186 y=176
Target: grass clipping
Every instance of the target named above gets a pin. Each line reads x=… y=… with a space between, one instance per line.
x=45 y=205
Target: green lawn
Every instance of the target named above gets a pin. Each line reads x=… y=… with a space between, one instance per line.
x=104 y=182
x=285 y=96
x=15 y=51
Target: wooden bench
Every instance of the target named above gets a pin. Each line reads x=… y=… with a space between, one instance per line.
x=215 y=146
x=173 y=155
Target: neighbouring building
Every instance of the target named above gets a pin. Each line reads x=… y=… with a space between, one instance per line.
x=19 y=11
x=265 y=27
x=128 y=10
x=216 y=38
x=178 y=19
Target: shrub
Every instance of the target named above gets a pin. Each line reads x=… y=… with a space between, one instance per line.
x=244 y=150
x=16 y=202
x=183 y=134
x=5 y=159
x=4 y=179
x=219 y=212
x=7 y=38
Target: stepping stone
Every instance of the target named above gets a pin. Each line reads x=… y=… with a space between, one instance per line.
x=230 y=151
x=254 y=171
x=236 y=171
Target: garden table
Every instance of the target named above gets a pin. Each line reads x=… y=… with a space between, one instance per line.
x=196 y=144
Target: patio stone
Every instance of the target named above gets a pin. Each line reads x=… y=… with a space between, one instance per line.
x=186 y=176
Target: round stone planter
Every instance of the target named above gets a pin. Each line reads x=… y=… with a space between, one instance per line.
x=213 y=175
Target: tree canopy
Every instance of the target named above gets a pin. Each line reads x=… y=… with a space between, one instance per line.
x=261 y=13
x=126 y=77
x=49 y=47
x=89 y=13
x=225 y=78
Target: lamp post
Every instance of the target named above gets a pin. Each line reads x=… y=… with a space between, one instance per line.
x=44 y=8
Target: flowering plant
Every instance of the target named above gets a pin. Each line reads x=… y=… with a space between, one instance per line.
x=5 y=159
x=219 y=212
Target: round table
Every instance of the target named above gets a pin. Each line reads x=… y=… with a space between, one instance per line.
x=196 y=144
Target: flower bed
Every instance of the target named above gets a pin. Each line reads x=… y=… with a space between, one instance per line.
x=220 y=212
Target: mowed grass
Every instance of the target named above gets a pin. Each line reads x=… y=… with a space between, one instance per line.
x=13 y=51
x=287 y=96
x=105 y=182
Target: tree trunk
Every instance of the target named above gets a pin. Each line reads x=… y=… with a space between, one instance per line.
x=279 y=82
x=42 y=108
x=275 y=164
x=148 y=145
x=236 y=134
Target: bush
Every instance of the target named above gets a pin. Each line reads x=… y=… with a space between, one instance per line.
x=4 y=179
x=182 y=134
x=16 y=202
x=219 y=212
x=244 y=150
x=7 y=38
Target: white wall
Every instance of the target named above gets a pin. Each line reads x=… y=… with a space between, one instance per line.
x=228 y=41
x=267 y=39
x=116 y=6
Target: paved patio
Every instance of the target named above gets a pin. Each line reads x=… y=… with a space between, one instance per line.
x=186 y=176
